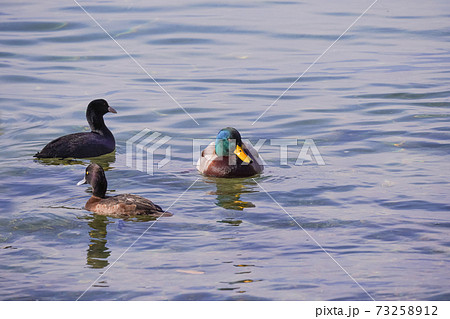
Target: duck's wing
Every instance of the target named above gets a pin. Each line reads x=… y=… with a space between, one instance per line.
x=206 y=157
x=125 y=205
x=141 y=205
x=78 y=145
x=62 y=146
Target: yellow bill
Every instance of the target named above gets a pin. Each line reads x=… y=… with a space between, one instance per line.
x=242 y=155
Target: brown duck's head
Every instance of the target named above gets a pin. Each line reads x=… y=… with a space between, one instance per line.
x=95 y=176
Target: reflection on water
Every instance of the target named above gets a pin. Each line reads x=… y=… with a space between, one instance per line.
x=98 y=252
x=229 y=191
x=376 y=105
x=244 y=272
x=104 y=161
x=228 y=195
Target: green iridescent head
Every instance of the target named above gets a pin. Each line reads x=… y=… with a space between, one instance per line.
x=229 y=142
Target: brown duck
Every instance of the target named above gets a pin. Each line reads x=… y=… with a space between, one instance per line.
x=125 y=205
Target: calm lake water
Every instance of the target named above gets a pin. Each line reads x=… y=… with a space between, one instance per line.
x=372 y=223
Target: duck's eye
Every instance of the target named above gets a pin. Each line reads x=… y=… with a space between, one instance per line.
x=87 y=173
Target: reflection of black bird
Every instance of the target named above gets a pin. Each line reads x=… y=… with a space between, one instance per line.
x=125 y=205
x=98 y=253
x=89 y=144
x=104 y=160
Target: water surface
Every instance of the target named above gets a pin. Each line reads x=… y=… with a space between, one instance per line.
x=376 y=104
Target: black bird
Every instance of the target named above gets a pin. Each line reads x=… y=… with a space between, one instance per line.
x=80 y=145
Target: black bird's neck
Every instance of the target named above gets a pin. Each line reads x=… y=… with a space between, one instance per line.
x=96 y=123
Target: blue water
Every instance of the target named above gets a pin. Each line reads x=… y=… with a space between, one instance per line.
x=371 y=223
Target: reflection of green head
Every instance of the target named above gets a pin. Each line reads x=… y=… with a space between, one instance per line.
x=229 y=142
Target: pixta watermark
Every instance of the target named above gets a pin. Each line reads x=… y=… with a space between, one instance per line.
x=141 y=148
x=140 y=151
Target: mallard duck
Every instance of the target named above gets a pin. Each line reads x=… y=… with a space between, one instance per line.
x=228 y=156
x=87 y=144
x=125 y=205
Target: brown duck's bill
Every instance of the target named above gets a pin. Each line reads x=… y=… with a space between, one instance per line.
x=110 y=109
x=83 y=181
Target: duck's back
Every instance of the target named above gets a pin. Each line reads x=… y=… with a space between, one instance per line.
x=124 y=205
x=78 y=145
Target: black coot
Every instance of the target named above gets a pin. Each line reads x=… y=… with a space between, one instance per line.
x=80 y=145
